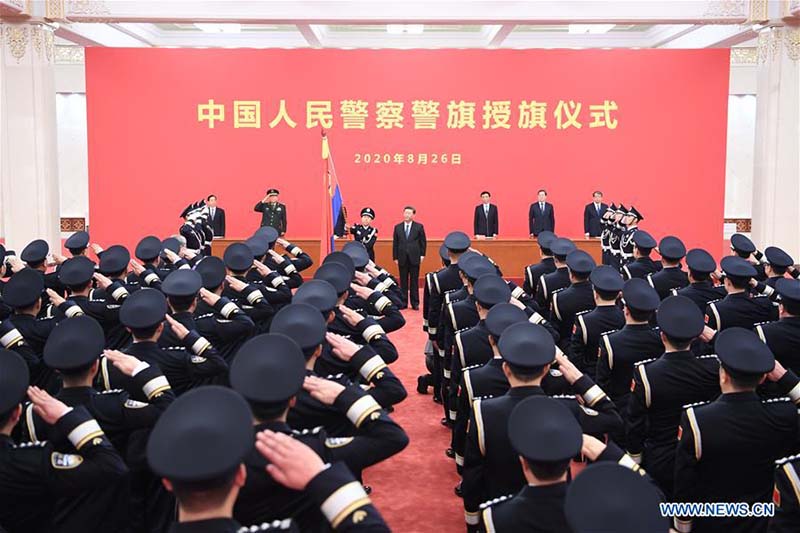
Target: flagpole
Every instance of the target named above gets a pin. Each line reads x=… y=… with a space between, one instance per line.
x=324 y=242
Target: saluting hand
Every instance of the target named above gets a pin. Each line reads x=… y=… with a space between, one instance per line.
x=570 y=371
x=777 y=372
x=291 y=463
x=362 y=278
x=48 y=408
x=102 y=281
x=235 y=283
x=592 y=447
x=323 y=390
x=96 y=248
x=137 y=267
x=125 y=363
x=56 y=298
x=262 y=269
x=276 y=256
x=350 y=316
x=361 y=292
x=178 y=329
x=342 y=347
x=209 y=297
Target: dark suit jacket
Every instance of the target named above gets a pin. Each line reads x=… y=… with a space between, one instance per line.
x=483 y=225
x=218 y=222
x=408 y=251
x=539 y=221
x=591 y=220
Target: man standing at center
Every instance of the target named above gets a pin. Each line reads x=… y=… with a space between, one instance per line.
x=541 y=216
x=408 y=252
x=273 y=213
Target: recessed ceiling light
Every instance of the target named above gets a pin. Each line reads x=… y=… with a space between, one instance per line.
x=396 y=29
x=218 y=28
x=590 y=28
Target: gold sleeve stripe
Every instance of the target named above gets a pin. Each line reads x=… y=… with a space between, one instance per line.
x=646 y=385
x=698 y=443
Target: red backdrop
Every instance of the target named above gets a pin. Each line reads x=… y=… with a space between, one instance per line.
x=653 y=134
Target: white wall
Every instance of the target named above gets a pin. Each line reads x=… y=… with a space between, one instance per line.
x=73 y=160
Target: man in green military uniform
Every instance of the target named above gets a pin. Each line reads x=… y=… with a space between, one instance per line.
x=273 y=213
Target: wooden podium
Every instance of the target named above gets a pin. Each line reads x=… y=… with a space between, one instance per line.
x=511 y=254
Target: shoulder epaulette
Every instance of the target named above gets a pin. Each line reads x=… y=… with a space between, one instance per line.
x=782 y=399
x=489 y=503
x=563 y=397
x=584 y=312
x=470 y=367
x=312 y=431
x=788 y=459
x=206 y=315
x=334 y=376
x=486 y=397
x=462 y=330
x=715 y=301
x=696 y=404
x=709 y=356
x=762 y=323
x=275 y=525
x=559 y=290
x=644 y=361
x=112 y=391
x=609 y=332
x=174 y=348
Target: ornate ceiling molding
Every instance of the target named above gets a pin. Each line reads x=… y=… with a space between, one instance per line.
x=772 y=41
x=18 y=40
x=69 y=55
x=744 y=56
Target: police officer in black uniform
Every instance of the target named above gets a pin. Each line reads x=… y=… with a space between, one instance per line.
x=701 y=288
x=23 y=293
x=591 y=325
x=366 y=233
x=483 y=380
x=77 y=243
x=578 y=297
x=205 y=489
x=615 y=240
x=785 y=496
x=743 y=247
x=662 y=387
x=545 y=265
x=559 y=278
x=631 y=221
x=269 y=372
x=273 y=213
x=737 y=427
x=189 y=363
x=491 y=468
x=740 y=308
x=636 y=341
x=74 y=350
x=605 y=235
x=546 y=437
x=672 y=276
x=632 y=507
x=642 y=264
x=783 y=336
x=33 y=476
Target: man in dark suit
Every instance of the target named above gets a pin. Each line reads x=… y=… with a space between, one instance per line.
x=541 y=216
x=408 y=251
x=592 y=214
x=216 y=215
x=485 y=222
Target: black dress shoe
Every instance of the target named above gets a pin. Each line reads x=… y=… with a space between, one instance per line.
x=437 y=399
x=415 y=307
x=422 y=384
x=458 y=491
x=450 y=452
x=446 y=423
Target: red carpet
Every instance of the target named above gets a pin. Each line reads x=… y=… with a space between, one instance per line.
x=414 y=489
